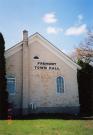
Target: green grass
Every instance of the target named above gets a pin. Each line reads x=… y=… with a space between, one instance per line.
x=46 y=127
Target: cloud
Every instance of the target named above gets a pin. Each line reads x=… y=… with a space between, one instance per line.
x=80 y=18
x=50 y=18
x=76 y=30
x=53 y=30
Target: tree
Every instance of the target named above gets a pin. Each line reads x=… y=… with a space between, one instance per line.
x=85 y=85
x=85 y=52
x=3 y=92
x=85 y=49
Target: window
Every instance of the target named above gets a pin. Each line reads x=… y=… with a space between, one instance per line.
x=60 y=84
x=36 y=57
x=11 y=84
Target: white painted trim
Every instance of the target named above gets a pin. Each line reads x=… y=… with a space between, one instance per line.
x=54 y=50
x=48 y=45
x=10 y=94
x=13 y=50
x=60 y=94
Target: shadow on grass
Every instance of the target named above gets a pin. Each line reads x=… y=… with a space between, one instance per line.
x=60 y=116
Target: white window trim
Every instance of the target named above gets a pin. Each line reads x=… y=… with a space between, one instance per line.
x=56 y=86
x=15 y=85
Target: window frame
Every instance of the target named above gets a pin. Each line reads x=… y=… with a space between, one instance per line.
x=60 y=93
x=11 y=77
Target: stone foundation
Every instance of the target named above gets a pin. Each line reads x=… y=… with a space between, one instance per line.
x=67 y=110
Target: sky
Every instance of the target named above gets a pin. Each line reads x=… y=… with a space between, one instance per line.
x=63 y=22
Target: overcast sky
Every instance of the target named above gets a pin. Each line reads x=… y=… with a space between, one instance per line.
x=62 y=22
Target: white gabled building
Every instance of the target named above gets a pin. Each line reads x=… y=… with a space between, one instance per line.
x=41 y=78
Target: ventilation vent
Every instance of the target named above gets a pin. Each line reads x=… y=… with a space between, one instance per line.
x=36 y=57
x=32 y=106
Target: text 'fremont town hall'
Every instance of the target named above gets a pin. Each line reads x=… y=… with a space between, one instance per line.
x=41 y=78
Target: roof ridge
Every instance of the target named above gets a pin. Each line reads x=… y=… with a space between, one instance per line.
x=37 y=33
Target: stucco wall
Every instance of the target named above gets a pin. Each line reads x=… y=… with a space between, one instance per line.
x=42 y=87
x=14 y=67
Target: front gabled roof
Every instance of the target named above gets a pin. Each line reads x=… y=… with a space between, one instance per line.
x=48 y=45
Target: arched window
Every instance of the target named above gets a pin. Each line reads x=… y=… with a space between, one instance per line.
x=11 y=84
x=60 y=84
x=36 y=57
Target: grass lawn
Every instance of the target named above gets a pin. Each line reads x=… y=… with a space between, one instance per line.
x=46 y=127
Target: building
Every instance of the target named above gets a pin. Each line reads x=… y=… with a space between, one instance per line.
x=41 y=78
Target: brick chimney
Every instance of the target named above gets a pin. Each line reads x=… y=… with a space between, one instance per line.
x=25 y=72
x=25 y=36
